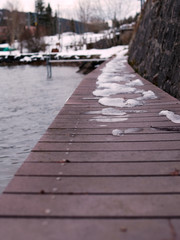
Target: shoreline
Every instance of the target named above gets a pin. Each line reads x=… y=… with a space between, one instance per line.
x=84 y=67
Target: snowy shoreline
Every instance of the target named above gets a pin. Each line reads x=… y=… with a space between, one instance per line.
x=67 y=46
x=38 y=59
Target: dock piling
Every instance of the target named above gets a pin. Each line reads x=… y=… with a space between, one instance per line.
x=49 y=68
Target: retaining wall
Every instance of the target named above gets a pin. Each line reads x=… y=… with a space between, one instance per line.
x=155 y=49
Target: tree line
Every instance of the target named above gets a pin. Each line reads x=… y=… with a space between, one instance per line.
x=28 y=28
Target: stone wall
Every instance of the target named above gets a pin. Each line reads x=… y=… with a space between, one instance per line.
x=155 y=49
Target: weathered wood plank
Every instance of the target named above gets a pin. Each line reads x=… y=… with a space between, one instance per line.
x=132 y=116
x=104 y=156
x=109 y=120
x=150 y=107
x=92 y=114
x=113 y=146
x=125 y=137
x=120 y=206
x=99 y=169
x=114 y=125
x=94 y=185
x=103 y=129
x=42 y=229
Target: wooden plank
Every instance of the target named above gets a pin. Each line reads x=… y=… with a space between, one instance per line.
x=86 y=229
x=109 y=119
x=114 y=146
x=103 y=129
x=74 y=110
x=132 y=116
x=88 y=102
x=94 y=206
x=114 y=125
x=104 y=156
x=152 y=105
x=99 y=169
x=94 y=185
x=132 y=137
x=92 y=114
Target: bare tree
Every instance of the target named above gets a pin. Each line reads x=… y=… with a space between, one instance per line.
x=84 y=13
x=84 y=10
x=112 y=9
x=97 y=10
x=15 y=21
x=88 y=9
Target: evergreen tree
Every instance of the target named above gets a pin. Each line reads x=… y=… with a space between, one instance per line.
x=72 y=25
x=49 y=10
x=39 y=6
x=49 y=20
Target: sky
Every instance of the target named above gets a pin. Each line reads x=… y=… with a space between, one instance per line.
x=28 y=5
x=67 y=7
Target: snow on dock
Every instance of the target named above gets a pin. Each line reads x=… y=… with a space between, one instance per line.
x=108 y=167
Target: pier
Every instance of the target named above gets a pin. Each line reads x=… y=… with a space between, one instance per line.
x=95 y=175
x=65 y=61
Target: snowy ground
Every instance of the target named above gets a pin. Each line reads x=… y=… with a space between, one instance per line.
x=68 y=45
x=70 y=39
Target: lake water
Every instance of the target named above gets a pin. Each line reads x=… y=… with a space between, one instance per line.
x=28 y=104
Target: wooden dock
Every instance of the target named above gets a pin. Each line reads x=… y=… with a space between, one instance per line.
x=81 y=182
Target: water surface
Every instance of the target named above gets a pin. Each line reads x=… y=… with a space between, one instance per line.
x=28 y=104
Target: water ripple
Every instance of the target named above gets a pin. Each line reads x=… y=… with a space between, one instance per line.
x=29 y=103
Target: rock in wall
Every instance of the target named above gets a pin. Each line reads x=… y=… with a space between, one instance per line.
x=155 y=49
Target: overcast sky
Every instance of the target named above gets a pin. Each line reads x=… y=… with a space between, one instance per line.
x=66 y=7
x=28 y=5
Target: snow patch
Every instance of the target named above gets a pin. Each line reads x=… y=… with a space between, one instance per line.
x=109 y=119
x=136 y=82
x=108 y=112
x=147 y=95
x=112 y=82
x=26 y=59
x=114 y=77
x=94 y=112
x=175 y=118
x=119 y=102
x=119 y=132
x=90 y=98
x=113 y=111
x=102 y=53
x=108 y=89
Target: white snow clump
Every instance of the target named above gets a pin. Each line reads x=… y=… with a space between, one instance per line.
x=175 y=118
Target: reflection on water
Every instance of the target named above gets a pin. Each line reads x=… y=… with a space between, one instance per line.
x=28 y=104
